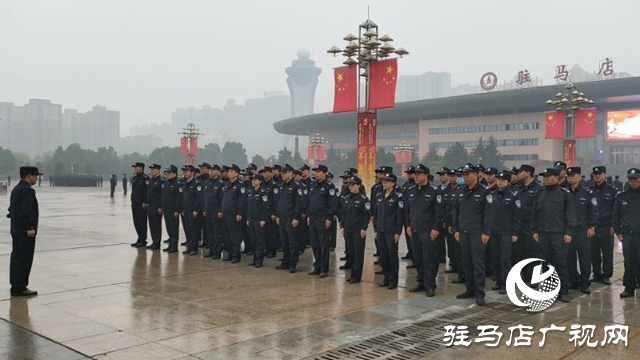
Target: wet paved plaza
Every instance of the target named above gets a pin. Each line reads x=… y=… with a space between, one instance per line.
x=100 y=298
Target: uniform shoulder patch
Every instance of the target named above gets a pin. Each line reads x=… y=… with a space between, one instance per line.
x=332 y=192
x=243 y=190
x=367 y=205
x=299 y=191
x=489 y=198
x=180 y=189
x=401 y=204
x=265 y=198
x=276 y=190
x=518 y=204
x=594 y=201
x=305 y=191
x=163 y=186
x=439 y=198
x=147 y=182
x=199 y=188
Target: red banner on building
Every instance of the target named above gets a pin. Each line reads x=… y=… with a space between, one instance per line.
x=366 y=147
x=193 y=146
x=570 y=152
x=183 y=145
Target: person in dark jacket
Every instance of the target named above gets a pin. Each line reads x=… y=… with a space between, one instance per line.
x=234 y=207
x=626 y=224
x=258 y=214
x=354 y=217
x=114 y=183
x=125 y=183
x=506 y=227
x=289 y=198
x=586 y=205
x=153 y=206
x=212 y=201
x=388 y=219
x=24 y=215
x=602 y=242
x=169 y=207
x=191 y=208
x=322 y=207
x=553 y=222
x=138 y=199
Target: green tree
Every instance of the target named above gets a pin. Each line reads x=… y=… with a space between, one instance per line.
x=285 y=156
x=88 y=168
x=211 y=153
x=166 y=156
x=432 y=159
x=478 y=155
x=456 y=155
x=258 y=160
x=234 y=153
x=333 y=161
x=384 y=158
x=492 y=155
x=58 y=168
x=297 y=161
x=8 y=161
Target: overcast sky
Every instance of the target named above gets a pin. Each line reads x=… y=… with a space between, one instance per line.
x=147 y=58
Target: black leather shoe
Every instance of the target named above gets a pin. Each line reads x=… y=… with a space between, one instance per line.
x=215 y=257
x=141 y=245
x=25 y=293
x=149 y=246
x=314 y=273
x=171 y=251
x=165 y=250
x=354 y=281
x=564 y=298
x=465 y=295
x=411 y=266
x=383 y=284
x=596 y=279
x=258 y=266
x=379 y=272
x=227 y=259
x=251 y=264
x=208 y=255
x=406 y=257
x=293 y=270
x=480 y=300
x=186 y=252
x=377 y=262
x=495 y=287
x=392 y=286
x=344 y=258
x=235 y=261
x=166 y=241
x=193 y=253
x=282 y=267
x=347 y=279
x=585 y=290
x=627 y=294
x=323 y=275
x=345 y=267
x=431 y=293
x=606 y=281
x=270 y=256
x=458 y=281
x=183 y=244
x=417 y=288
x=135 y=244
x=502 y=291
x=155 y=247
x=450 y=271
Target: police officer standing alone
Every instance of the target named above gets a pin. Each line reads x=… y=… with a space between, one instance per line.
x=553 y=222
x=388 y=219
x=234 y=204
x=602 y=242
x=472 y=223
x=138 y=199
x=114 y=183
x=626 y=223
x=153 y=206
x=169 y=207
x=24 y=215
x=258 y=213
x=321 y=209
x=587 y=220
x=355 y=214
x=125 y=182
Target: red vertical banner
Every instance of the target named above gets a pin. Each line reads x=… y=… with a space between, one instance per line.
x=183 y=145
x=584 y=125
x=366 y=147
x=193 y=146
x=310 y=153
x=570 y=152
x=322 y=153
x=399 y=157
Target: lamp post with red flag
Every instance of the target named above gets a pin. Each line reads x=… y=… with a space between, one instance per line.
x=403 y=154
x=577 y=121
x=368 y=56
x=189 y=142
x=317 y=149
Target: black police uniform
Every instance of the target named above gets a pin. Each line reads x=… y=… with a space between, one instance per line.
x=303 y=232
x=245 y=236
x=472 y=218
x=234 y=203
x=526 y=247
x=586 y=205
x=125 y=183
x=24 y=215
x=506 y=224
x=191 y=202
x=272 y=231
x=113 y=183
x=322 y=205
x=258 y=214
x=602 y=243
x=405 y=187
x=170 y=206
x=626 y=224
x=388 y=219
x=554 y=216
x=154 y=202
x=455 y=197
x=212 y=199
x=424 y=212
x=139 y=197
x=617 y=184
x=354 y=216
x=289 y=199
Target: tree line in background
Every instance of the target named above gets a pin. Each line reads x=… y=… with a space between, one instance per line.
x=106 y=161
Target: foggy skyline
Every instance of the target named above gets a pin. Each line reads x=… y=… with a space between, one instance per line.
x=149 y=58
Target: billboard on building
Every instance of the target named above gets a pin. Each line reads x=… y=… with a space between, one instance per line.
x=623 y=125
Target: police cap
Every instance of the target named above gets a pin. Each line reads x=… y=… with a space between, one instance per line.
x=155 y=166
x=550 y=172
x=138 y=164
x=492 y=170
x=172 y=168
x=421 y=168
x=390 y=177
x=574 y=170
x=560 y=165
x=599 y=169
x=443 y=171
x=322 y=168
x=354 y=180
x=633 y=173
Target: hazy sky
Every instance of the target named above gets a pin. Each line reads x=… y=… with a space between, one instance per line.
x=147 y=58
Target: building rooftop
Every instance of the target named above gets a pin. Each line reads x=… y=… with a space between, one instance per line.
x=526 y=100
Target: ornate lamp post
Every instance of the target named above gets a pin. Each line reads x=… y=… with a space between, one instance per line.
x=403 y=154
x=317 y=149
x=568 y=102
x=361 y=51
x=189 y=142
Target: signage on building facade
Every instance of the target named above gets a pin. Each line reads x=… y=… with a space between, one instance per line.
x=489 y=81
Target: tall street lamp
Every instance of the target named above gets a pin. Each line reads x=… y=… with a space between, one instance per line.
x=568 y=102
x=361 y=51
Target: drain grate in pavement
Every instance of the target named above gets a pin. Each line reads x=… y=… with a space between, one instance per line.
x=424 y=337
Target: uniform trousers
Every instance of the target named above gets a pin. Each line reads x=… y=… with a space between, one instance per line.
x=388 y=255
x=319 y=237
x=357 y=244
x=273 y=237
x=140 y=222
x=407 y=238
x=22 y=251
x=554 y=251
x=504 y=247
x=235 y=229
x=172 y=224
x=155 y=225
x=216 y=234
x=426 y=257
x=193 y=226
x=290 y=246
x=631 y=253
x=258 y=237
x=580 y=245
x=602 y=253
x=305 y=238
x=473 y=260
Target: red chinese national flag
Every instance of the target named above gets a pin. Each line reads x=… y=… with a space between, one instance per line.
x=555 y=125
x=383 y=76
x=183 y=145
x=584 y=125
x=345 y=96
x=193 y=146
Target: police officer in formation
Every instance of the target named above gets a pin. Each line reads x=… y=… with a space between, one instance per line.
x=505 y=229
x=138 y=201
x=191 y=208
x=321 y=209
x=626 y=224
x=289 y=207
x=169 y=207
x=354 y=217
x=259 y=209
x=233 y=212
x=388 y=220
x=212 y=201
x=602 y=242
x=153 y=205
